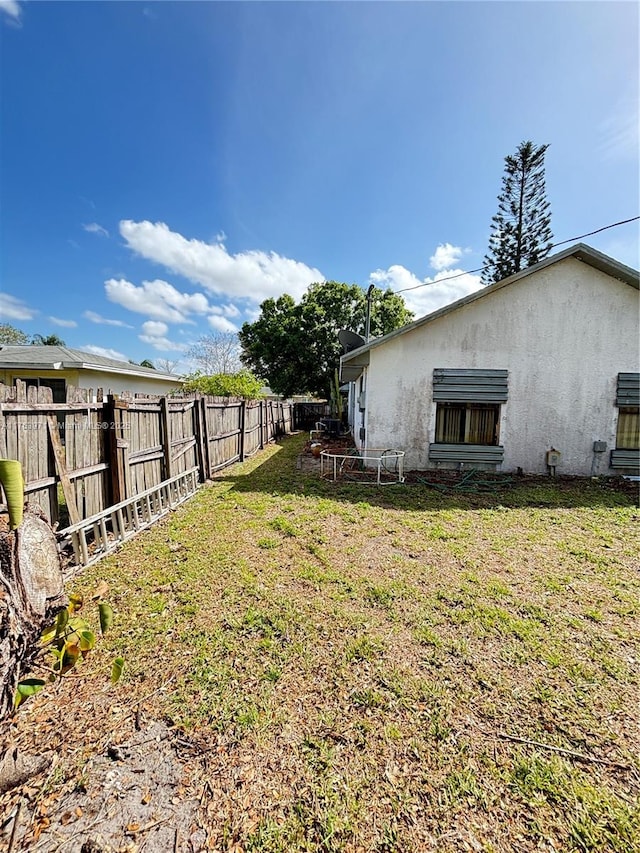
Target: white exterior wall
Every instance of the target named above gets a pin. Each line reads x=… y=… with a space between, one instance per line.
x=563 y=333
x=113 y=383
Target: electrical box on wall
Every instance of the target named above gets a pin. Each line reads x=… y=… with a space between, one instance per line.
x=553 y=458
x=599 y=446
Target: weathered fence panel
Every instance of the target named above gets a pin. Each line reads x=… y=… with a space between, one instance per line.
x=306 y=415
x=82 y=457
x=253 y=427
x=223 y=430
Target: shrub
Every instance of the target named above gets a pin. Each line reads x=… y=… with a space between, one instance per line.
x=241 y=384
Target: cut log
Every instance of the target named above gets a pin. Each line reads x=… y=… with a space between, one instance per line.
x=31 y=593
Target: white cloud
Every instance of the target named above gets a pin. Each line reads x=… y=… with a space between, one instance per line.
x=157 y=299
x=161 y=343
x=225 y=310
x=68 y=324
x=12 y=308
x=11 y=8
x=221 y=324
x=154 y=328
x=154 y=333
x=94 y=228
x=252 y=275
x=97 y=318
x=105 y=352
x=445 y=256
x=435 y=293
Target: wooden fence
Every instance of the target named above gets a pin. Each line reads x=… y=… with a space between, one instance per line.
x=107 y=452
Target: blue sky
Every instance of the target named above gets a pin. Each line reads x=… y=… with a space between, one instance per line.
x=166 y=166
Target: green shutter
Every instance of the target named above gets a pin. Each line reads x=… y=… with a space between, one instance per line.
x=470 y=453
x=626 y=460
x=628 y=389
x=469 y=386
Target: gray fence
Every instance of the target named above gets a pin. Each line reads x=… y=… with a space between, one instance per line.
x=81 y=457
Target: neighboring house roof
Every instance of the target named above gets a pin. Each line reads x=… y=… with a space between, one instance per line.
x=63 y=358
x=352 y=364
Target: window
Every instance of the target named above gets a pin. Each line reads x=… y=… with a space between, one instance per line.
x=628 y=403
x=468 y=415
x=626 y=456
x=628 y=433
x=467 y=423
x=58 y=387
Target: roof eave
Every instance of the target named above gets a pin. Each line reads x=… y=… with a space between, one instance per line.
x=103 y=368
x=350 y=371
x=580 y=251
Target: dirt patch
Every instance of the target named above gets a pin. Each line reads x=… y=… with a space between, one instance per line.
x=134 y=795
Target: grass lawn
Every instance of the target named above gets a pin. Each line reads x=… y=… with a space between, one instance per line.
x=382 y=669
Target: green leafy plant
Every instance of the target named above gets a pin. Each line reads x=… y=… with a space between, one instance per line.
x=241 y=384
x=68 y=641
x=336 y=396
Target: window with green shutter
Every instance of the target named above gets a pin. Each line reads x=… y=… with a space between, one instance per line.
x=468 y=415
x=626 y=455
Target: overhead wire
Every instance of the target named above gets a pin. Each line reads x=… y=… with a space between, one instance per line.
x=553 y=246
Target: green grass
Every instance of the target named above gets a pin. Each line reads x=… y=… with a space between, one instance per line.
x=361 y=653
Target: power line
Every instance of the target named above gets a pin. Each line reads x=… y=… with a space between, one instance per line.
x=597 y=231
x=553 y=246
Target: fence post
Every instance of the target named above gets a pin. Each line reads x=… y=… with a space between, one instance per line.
x=202 y=437
x=117 y=417
x=261 y=424
x=243 y=421
x=165 y=437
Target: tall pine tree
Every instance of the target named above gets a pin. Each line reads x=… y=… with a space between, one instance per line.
x=520 y=231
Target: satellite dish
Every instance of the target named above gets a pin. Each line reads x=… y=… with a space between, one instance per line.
x=350 y=340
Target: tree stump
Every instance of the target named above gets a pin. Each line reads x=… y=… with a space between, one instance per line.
x=31 y=593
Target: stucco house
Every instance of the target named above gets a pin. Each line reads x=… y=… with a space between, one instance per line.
x=58 y=367
x=540 y=371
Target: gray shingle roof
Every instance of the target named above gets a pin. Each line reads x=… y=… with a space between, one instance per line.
x=60 y=357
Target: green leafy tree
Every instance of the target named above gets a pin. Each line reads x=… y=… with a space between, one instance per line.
x=521 y=229
x=147 y=363
x=12 y=336
x=47 y=341
x=268 y=344
x=295 y=348
x=241 y=384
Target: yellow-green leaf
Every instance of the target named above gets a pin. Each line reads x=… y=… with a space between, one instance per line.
x=61 y=621
x=75 y=602
x=87 y=640
x=48 y=635
x=116 y=670
x=78 y=624
x=106 y=616
x=26 y=688
x=70 y=656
